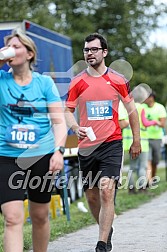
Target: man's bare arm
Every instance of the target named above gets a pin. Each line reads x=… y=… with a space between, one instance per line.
x=72 y=123
x=70 y=119
x=135 y=148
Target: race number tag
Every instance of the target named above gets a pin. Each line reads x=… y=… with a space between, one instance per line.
x=99 y=110
x=22 y=136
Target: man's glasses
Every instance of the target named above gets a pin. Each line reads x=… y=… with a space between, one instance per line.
x=92 y=49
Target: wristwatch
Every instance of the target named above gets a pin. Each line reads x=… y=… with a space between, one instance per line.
x=61 y=149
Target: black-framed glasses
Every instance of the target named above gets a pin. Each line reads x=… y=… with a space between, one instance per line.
x=92 y=49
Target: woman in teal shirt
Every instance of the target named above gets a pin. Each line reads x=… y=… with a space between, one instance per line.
x=32 y=137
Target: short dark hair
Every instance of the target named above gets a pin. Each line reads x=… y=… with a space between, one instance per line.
x=94 y=36
x=153 y=94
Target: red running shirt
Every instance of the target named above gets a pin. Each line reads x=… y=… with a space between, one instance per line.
x=97 y=99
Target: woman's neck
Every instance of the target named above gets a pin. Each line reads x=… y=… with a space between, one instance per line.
x=22 y=77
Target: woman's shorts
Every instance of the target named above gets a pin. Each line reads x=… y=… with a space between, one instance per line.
x=16 y=180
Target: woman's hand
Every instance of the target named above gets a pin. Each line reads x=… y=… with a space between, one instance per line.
x=2 y=62
x=56 y=162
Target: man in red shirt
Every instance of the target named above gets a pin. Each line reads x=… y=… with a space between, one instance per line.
x=96 y=92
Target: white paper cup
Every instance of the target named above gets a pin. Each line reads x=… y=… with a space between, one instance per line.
x=81 y=207
x=7 y=53
x=90 y=134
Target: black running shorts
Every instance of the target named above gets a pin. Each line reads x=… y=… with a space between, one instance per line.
x=15 y=179
x=103 y=161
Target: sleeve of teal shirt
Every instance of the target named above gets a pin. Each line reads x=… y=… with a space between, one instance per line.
x=52 y=93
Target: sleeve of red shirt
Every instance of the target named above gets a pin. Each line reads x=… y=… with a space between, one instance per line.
x=72 y=96
x=77 y=87
x=125 y=92
x=121 y=84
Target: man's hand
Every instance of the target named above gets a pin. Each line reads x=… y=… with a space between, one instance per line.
x=80 y=132
x=135 y=150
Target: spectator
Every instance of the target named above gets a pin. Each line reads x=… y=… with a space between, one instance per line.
x=139 y=165
x=154 y=111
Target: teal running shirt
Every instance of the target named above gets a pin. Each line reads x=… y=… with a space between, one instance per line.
x=25 y=127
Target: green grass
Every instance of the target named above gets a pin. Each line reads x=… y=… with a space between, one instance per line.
x=125 y=201
x=61 y=226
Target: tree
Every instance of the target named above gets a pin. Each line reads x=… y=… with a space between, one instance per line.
x=125 y=23
x=15 y=10
x=150 y=68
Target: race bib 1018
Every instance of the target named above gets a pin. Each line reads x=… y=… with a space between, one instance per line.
x=22 y=136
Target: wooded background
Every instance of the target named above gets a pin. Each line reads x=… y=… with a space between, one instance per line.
x=126 y=24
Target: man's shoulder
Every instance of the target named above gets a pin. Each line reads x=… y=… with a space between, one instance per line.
x=116 y=77
x=79 y=76
x=79 y=80
x=159 y=106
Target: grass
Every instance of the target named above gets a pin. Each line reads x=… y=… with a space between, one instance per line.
x=61 y=226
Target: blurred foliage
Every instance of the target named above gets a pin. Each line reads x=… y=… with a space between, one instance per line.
x=150 y=68
x=125 y=23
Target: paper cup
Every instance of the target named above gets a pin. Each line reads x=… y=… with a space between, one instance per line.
x=90 y=134
x=81 y=207
x=7 y=53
